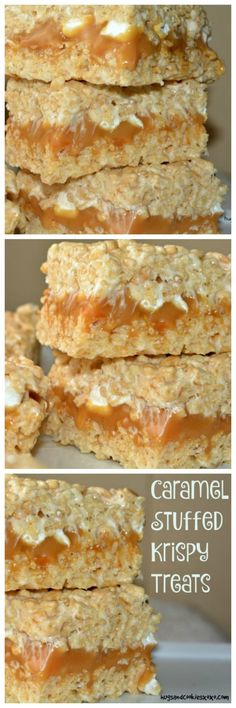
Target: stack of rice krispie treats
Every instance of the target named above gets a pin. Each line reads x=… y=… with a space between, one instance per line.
x=142 y=360
x=107 y=106
x=77 y=628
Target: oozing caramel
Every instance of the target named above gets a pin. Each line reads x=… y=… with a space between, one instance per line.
x=122 y=311
x=44 y=660
x=127 y=49
x=160 y=425
x=115 y=221
x=48 y=550
x=108 y=315
x=73 y=139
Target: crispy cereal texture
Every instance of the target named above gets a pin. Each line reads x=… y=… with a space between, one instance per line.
x=163 y=412
x=20 y=332
x=67 y=130
x=25 y=403
x=183 y=197
x=95 y=535
x=98 y=624
x=125 y=45
x=121 y=298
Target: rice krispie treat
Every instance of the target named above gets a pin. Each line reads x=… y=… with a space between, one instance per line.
x=75 y=646
x=63 y=130
x=64 y=535
x=163 y=412
x=20 y=332
x=120 y=298
x=181 y=197
x=25 y=403
x=127 y=45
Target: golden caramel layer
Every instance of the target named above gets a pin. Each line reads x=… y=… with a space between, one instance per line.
x=127 y=49
x=123 y=310
x=117 y=221
x=47 y=551
x=75 y=138
x=160 y=425
x=44 y=660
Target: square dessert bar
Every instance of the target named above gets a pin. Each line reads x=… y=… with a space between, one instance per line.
x=64 y=130
x=64 y=535
x=20 y=332
x=163 y=412
x=180 y=197
x=74 y=646
x=120 y=298
x=25 y=403
x=125 y=45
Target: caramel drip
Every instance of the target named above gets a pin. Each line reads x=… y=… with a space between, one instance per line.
x=48 y=550
x=118 y=221
x=160 y=425
x=73 y=139
x=127 y=50
x=122 y=311
x=43 y=660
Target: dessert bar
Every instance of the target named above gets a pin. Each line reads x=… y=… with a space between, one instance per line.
x=79 y=646
x=67 y=130
x=64 y=535
x=125 y=45
x=144 y=412
x=181 y=197
x=121 y=298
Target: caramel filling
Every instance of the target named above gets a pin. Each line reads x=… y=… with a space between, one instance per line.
x=47 y=551
x=73 y=139
x=109 y=316
x=115 y=221
x=122 y=311
x=127 y=49
x=160 y=425
x=43 y=660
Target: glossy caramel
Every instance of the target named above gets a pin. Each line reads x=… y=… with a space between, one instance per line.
x=44 y=660
x=73 y=139
x=122 y=311
x=108 y=315
x=127 y=49
x=116 y=221
x=158 y=425
x=47 y=551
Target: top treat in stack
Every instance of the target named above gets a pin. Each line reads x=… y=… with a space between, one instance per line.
x=122 y=298
x=93 y=88
x=122 y=45
x=64 y=535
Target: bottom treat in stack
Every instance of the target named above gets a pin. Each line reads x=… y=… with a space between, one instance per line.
x=144 y=412
x=71 y=646
x=74 y=645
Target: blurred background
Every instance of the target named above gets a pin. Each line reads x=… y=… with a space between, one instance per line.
x=219 y=106
x=24 y=257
